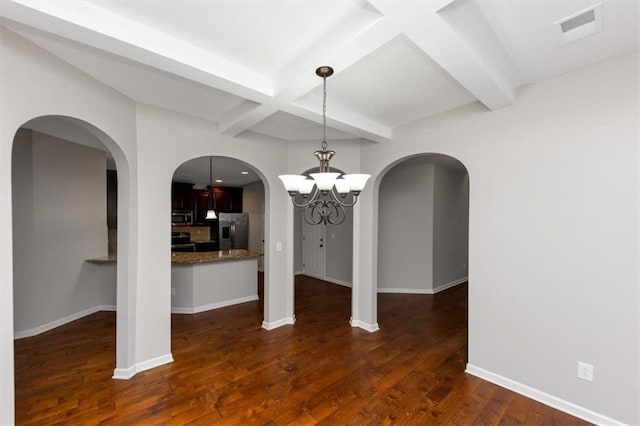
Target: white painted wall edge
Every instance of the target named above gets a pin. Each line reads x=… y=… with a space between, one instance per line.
x=371 y=328
x=327 y=279
x=545 y=398
x=127 y=373
x=211 y=306
x=279 y=323
x=61 y=321
x=438 y=289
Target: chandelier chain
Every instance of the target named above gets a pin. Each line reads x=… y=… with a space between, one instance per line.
x=324 y=113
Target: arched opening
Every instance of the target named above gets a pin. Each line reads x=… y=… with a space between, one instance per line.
x=217 y=259
x=65 y=198
x=422 y=261
x=323 y=267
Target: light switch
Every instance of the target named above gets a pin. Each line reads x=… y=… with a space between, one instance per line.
x=278 y=246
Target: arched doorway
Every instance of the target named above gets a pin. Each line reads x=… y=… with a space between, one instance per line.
x=423 y=234
x=62 y=217
x=216 y=257
x=323 y=258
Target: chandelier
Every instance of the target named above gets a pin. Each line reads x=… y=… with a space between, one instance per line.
x=325 y=195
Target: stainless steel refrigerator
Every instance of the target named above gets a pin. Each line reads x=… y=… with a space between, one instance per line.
x=233 y=230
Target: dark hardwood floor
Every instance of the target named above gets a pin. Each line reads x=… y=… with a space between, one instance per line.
x=227 y=370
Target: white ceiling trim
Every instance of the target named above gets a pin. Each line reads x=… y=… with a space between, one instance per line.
x=430 y=32
x=100 y=28
x=349 y=122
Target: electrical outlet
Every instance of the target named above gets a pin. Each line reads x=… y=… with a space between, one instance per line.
x=585 y=371
x=173 y=291
x=464 y=266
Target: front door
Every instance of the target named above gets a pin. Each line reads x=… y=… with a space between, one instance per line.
x=313 y=246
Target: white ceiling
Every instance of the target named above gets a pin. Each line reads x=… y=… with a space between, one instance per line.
x=249 y=66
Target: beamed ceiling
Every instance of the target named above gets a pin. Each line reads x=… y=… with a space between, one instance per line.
x=249 y=66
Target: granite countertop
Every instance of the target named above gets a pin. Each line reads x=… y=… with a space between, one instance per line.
x=192 y=258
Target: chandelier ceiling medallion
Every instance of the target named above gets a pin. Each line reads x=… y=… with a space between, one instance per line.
x=324 y=197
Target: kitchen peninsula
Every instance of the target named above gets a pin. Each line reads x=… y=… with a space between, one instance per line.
x=201 y=281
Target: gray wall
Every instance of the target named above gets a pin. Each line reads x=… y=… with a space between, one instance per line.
x=405 y=229
x=253 y=203
x=338 y=244
x=59 y=211
x=423 y=229
x=450 y=226
x=553 y=236
x=339 y=252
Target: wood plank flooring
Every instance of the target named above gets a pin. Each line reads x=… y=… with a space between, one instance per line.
x=227 y=370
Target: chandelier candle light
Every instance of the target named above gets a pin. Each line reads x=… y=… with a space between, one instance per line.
x=324 y=197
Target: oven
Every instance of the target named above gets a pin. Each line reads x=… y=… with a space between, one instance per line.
x=181 y=241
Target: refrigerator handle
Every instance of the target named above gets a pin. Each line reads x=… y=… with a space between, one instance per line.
x=233 y=235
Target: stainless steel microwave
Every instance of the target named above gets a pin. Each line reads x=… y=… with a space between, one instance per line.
x=182 y=217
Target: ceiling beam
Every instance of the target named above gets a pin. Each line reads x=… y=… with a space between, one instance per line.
x=348 y=121
x=423 y=24
x=341 y=48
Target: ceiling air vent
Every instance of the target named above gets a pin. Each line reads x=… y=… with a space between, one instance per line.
x=579 y=25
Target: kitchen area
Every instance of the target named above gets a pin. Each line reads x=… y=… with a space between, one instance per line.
x=217 y=235
x=193 y=231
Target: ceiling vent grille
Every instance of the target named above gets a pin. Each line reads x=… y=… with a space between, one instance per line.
x=579 y=25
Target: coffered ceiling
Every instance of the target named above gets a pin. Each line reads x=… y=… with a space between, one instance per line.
x=249 y=66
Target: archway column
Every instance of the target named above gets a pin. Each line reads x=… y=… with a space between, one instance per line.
x=364 y=312
x=278 y=262
x=6 y=283
x=126 y=275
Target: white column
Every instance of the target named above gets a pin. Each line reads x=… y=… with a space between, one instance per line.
x=278 y=265
x=364 y=312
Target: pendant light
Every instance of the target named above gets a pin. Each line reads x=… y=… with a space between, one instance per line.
x=323 y=198
x=211 y=213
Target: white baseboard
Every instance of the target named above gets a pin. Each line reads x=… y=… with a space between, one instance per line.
x=124 y=373
x=405 y=290
x=211 y=306
x=336 y=281
x=438 y=289
x=327 y=279
x=61 y=321
x=279 y=323
x=127 y=373
x=545 y=398
x=371 y=328
x=108 y=308
x=450 y=284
